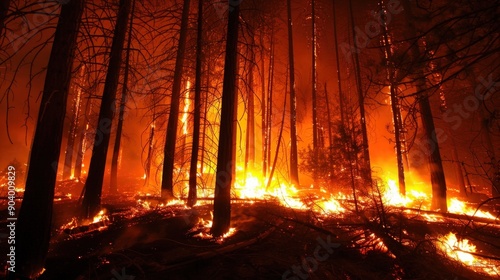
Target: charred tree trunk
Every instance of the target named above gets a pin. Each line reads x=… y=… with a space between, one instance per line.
x=193 y=170
x=34 y=222
x=269 y=113
x=328 y=115
x=314 y=86
x=395 y=107
x=263 y=108
x=294 y=161
x=149 y=159
x=4 y=9
x=82 y=134
x=435 y=164
x=68 y=156
x=367 y=174
x=250 y=139
x=113 y=185
x=167 y=180
x=337 y=58
x=205 y=114
x=93 y=185
x=222 y=198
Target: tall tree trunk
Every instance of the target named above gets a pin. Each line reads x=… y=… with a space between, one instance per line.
x=82 y=134
x=328 y=115
x=458 y=166
x=68 y=156
x=337 y=58
x=314 y=86
x=167 y=180
x=205 y=114
x=250 y=136
x=269 y=113
x=222 y=198
x=193 y=171
x=4 y=9
x=435 y=164
x=93 y=186
x=263 y=107
x=294 y=161
x=149 y=159
x=395 y=107
x=113 y=185
x=34 y=222
x=367 y=174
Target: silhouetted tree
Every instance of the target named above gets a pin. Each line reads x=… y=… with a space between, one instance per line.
x=222 y=198
x=294 y=162
x=167 y=180
x=93 y=185
x=113 y=184
x=35 y=217
x=193 y=171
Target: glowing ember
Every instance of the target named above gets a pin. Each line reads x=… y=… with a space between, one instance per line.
x=458 y=250
x=203 y=227
x=72 y=224
x=100 y=217
x=144 y=204
x=459 y=207
x=392 y=195
x=174 y=202
x=101 y=220
x=330 y=206
x=432 y=218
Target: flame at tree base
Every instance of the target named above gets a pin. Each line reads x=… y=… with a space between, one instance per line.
x=463 y=251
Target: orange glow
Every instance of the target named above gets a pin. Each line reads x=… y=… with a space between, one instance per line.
x=462 y=251
x=187 y=105
x=459 y=207
x=204 y=226
x=457 y=250
x=100 y=217
x=330 y=206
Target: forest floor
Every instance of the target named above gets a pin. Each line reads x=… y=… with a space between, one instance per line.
x=269 y=242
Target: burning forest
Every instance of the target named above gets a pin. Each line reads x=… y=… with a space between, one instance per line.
x=250 y=139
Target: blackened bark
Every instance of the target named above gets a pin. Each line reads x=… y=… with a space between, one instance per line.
x=263 y=107
x=167 y=180
x=113 y=184
x=294 y=162
x=82 y=134
x=314 y=85
x=222 y=199
x=4 y=8
x=193 y=170
x=68 y=156
x=250 y=136
x=34 y=221
x=337 y=58
x=434 y=160
x=269 y=102
x=93 y=185
x=367 y=173
x=395 y=107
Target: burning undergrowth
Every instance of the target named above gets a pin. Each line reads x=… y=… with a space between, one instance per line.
x=377 y=234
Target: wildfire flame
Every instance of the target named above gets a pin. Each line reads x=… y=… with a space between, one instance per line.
x=459 y=207
x=187 y=104
x=204 y=226
x=457 y=249
x=100 y=217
